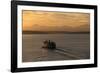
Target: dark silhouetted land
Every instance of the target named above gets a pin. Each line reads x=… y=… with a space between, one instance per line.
x=53 y=32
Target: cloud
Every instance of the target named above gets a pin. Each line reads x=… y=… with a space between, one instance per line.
x=55 y=21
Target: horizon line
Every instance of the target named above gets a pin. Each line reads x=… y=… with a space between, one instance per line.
x=50 y=32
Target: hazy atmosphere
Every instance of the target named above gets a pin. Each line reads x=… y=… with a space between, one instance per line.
x=55 y=21
x=51 y=36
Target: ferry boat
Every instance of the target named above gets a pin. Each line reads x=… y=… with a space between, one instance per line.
x=49 y=44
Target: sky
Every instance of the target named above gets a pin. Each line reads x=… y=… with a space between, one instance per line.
x=55 y=21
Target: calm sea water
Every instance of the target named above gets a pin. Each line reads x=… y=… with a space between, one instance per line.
x=70 y=47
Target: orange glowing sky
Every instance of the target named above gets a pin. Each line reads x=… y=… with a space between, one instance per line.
x=55 y=21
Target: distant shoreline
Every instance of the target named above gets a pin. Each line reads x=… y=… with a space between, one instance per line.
x=53 y=32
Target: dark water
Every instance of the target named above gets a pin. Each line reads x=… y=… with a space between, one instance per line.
x=69 y=47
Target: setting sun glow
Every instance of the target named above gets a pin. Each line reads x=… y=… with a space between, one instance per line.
x=55 y=21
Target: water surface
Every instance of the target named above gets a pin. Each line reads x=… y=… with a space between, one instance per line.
x=70 y=47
